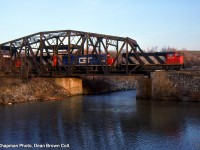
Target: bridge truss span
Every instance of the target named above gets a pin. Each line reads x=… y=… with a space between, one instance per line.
x=69 y=52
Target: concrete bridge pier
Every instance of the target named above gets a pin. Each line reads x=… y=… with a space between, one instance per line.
x=72 y=86
x=143 y=88
x=174 y=85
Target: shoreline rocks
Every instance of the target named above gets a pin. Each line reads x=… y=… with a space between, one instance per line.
x=15 y=90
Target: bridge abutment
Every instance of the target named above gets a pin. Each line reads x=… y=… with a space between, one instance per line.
x=175 y=85
x=72 y=86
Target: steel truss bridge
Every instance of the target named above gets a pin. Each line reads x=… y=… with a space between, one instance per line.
x=33 y=55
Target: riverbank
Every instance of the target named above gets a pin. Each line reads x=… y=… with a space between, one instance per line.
x=16 y=90
x=171 y=85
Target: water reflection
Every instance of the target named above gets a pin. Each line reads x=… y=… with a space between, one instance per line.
x=109 y=121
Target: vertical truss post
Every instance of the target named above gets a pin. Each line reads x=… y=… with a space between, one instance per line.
x=10 y=51
x=106 y=49
x=34 y=59
x=68 y=51
x=99 y=39
x=117 y=46
x=117 y=55
x=1 y=61
x=57 y=40
x=82 y=52
x=78 y=53
x=24 y=67
x=105 y=46
x=127 y=58
x=95 y=51
x=41 y=47
x=87 y=55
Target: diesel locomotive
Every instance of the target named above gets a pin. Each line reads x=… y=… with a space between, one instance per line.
x=153 y=61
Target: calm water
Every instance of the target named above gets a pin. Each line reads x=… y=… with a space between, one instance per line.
x=109 y=121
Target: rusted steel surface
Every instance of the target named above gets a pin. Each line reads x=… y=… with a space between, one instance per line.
x=42 y=54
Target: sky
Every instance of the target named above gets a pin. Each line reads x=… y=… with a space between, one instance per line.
x=152 y=23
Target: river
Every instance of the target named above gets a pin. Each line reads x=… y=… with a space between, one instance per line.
x=108 y=121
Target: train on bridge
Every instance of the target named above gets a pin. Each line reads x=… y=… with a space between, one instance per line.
x=93 y=62
x=70 y=52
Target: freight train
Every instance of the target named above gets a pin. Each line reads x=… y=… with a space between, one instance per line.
x=93 y=62
x=153 y=61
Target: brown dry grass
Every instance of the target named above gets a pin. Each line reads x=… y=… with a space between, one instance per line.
x=191 y=58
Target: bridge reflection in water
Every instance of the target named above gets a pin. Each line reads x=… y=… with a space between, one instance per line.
x=109 y=121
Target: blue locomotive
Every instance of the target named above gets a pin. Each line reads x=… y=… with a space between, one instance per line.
x=91 y=60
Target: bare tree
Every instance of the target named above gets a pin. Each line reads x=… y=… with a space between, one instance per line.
x=153 y=49
x=168 y=49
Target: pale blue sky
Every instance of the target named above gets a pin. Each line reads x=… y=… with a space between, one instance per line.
x=174 y=23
